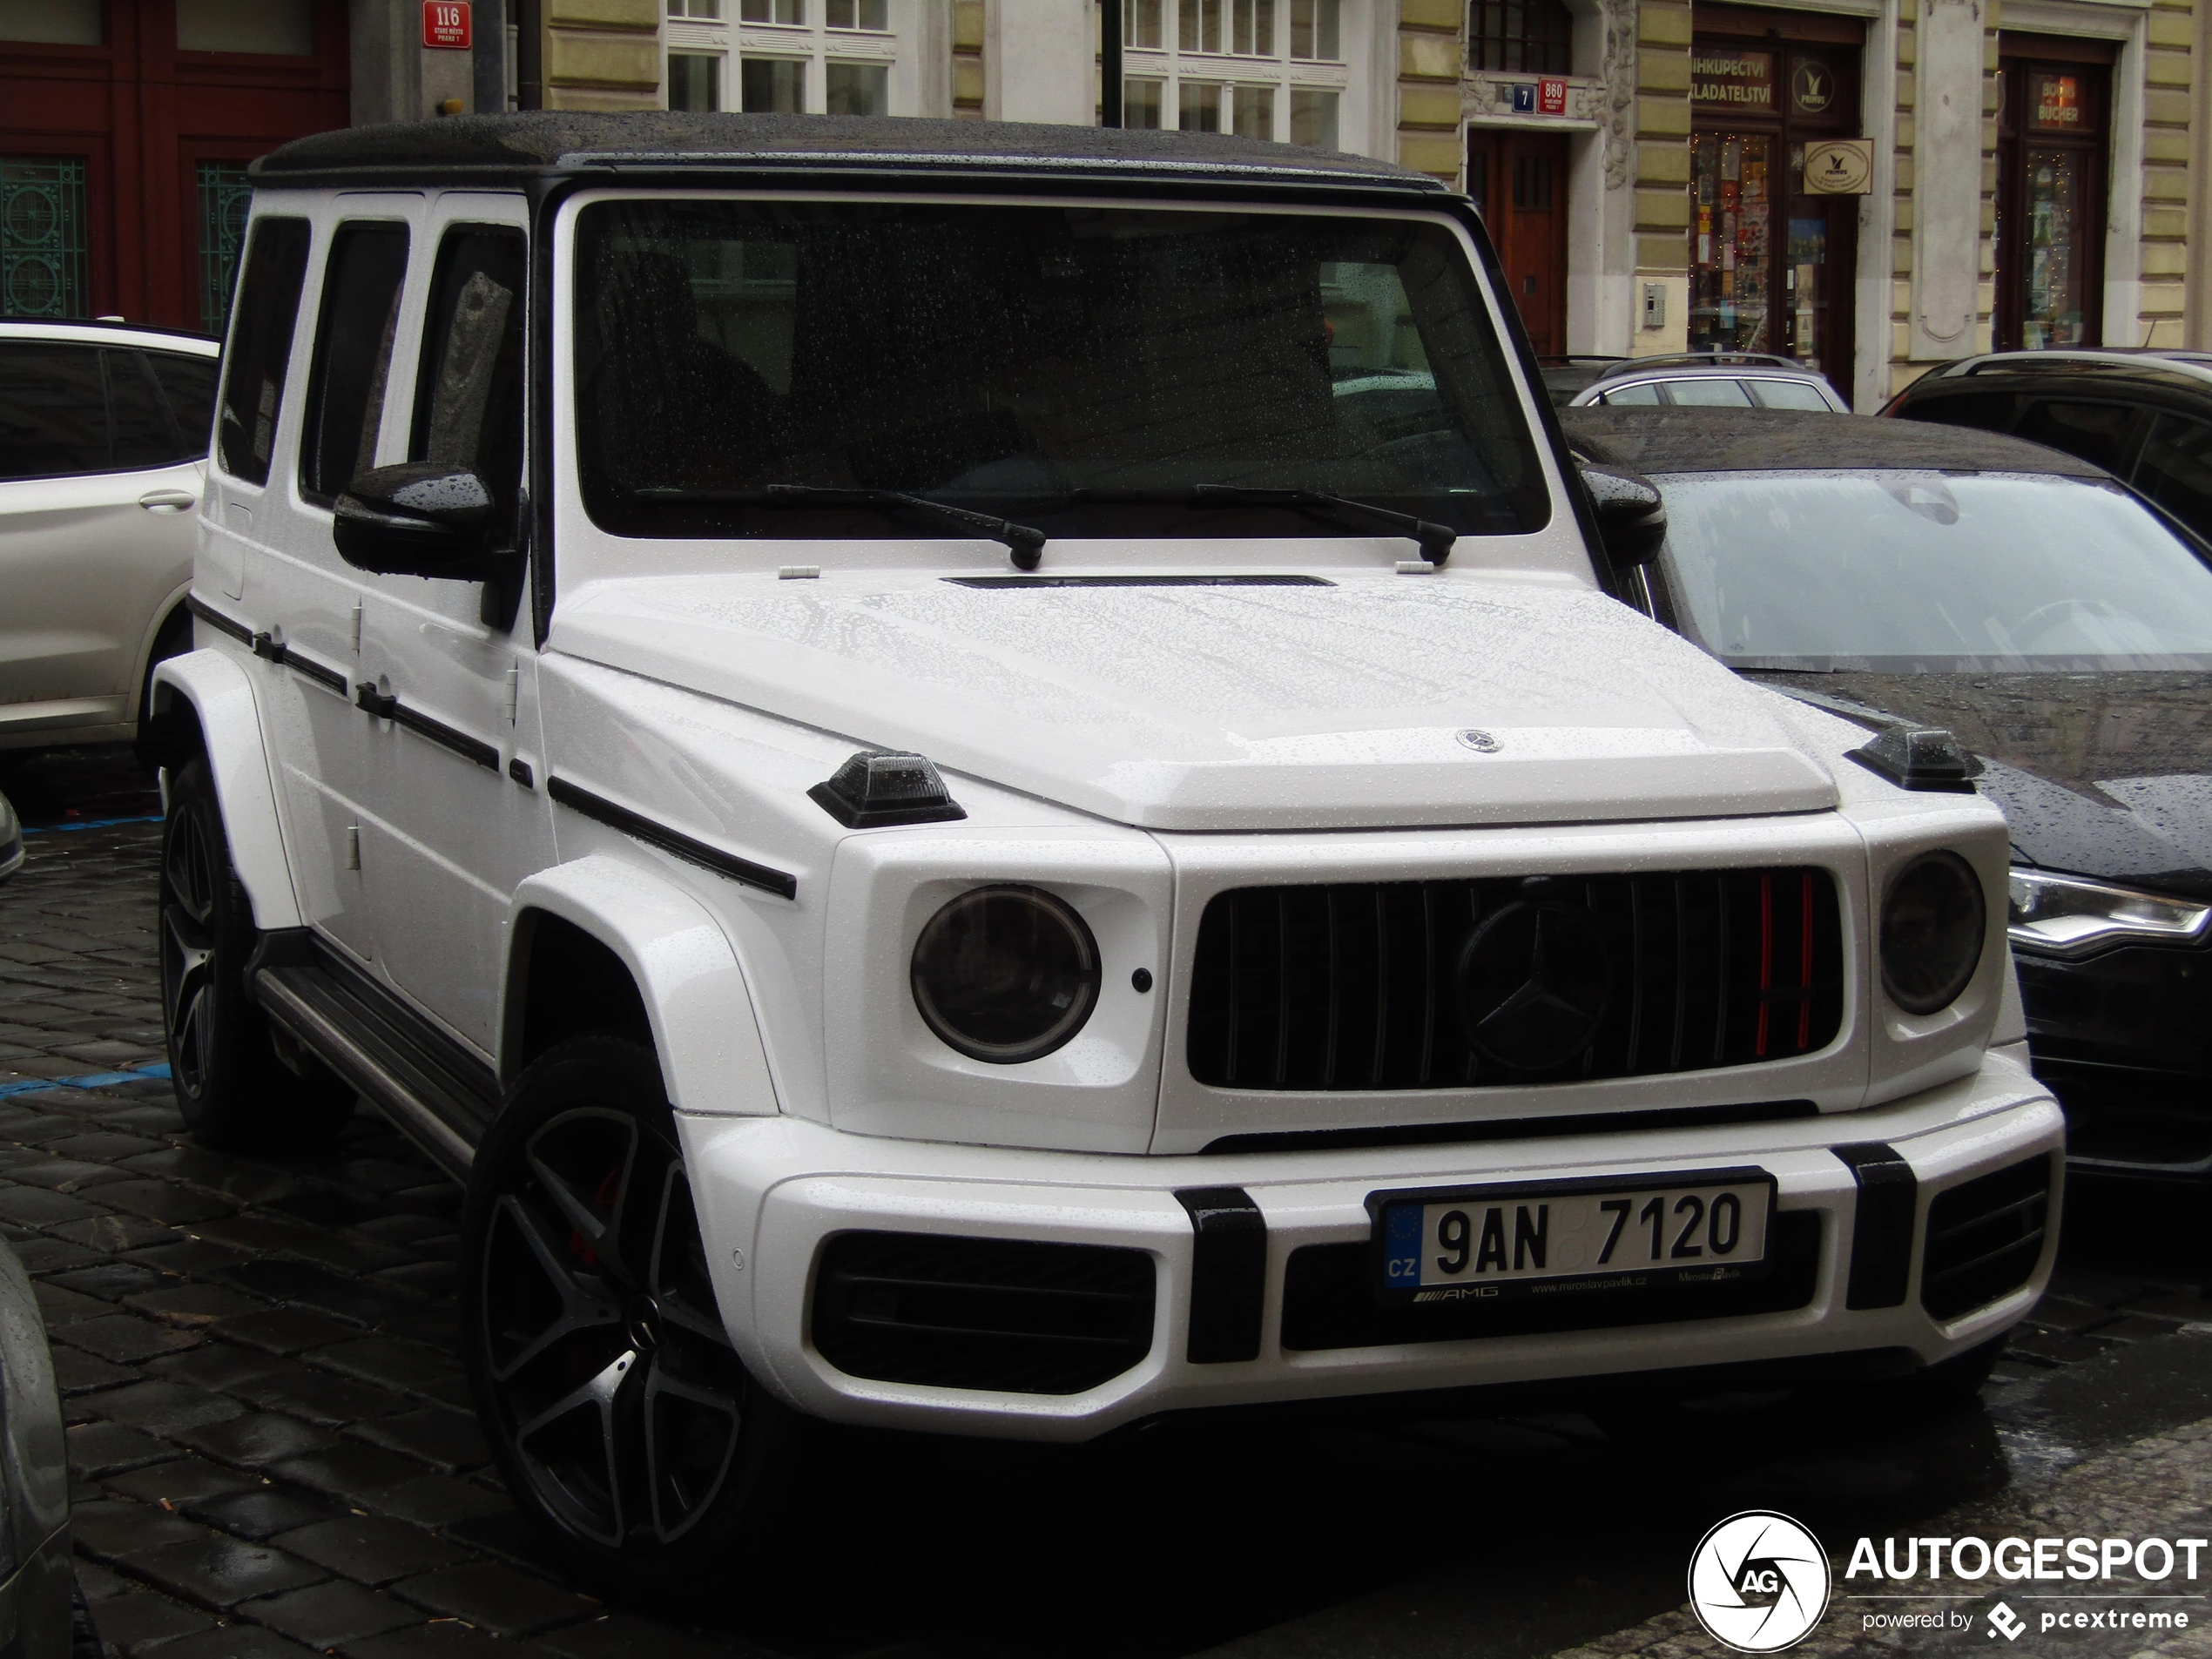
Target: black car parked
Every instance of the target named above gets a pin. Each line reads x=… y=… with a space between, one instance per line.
x=2026 y=602
x=2143 y=416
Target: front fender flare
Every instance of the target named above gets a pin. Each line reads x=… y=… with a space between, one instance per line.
x=238 y=761
x=687 y=971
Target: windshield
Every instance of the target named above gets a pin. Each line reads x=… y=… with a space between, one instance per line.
x=1931 y=572
x=1079 y=367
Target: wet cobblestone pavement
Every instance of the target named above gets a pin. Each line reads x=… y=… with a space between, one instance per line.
x=273 y=1451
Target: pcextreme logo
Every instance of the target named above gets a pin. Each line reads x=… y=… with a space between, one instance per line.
x=1758 y=1582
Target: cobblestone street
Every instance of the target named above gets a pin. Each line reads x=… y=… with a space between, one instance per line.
x=272 y=1449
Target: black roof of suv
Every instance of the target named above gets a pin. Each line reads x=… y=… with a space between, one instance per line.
x=511 y=148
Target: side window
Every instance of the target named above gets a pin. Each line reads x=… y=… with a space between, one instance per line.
x=189 y=384
x=469 y=393
x=53 y=411
x=1709 y=393
x=138 y=420
x=1789 y=395
x=1638 y=395
x=2177 y=470
x=1991 y=413
x=2099 y=432
x=360 y=309
x=260 y=346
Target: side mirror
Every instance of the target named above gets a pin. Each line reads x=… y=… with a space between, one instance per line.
x=1631 y=517
x=423 y=518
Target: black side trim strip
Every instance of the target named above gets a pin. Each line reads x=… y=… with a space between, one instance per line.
x=1253 y=580
x=1889 y=1202
x=217 y=621
x=712 y=857
x=1515 y=1129
x=1227 y=1274
x=519 y=770
x=267 y=647
x=367 y=696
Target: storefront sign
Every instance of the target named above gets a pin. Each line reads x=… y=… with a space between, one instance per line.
x=1812 y=88
x=446 y=24
x=1839 y=167
x=1740 y=80
x=1551 y=96
x=2055 y=104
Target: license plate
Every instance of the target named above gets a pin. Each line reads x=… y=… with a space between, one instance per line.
x=1569 y=1237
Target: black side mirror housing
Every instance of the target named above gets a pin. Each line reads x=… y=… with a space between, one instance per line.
x=1631 y=517
x=421 y=518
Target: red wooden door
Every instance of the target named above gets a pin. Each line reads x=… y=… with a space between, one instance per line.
x=120 y=157
x=1519 y=183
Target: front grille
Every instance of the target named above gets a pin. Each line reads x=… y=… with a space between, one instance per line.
x=1329 y=1299
x=1007 y=1314
x=1398 y=986
x=1985 y=1237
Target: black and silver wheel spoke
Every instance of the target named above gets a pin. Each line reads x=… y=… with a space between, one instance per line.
x=573 y=1443
x=584 y=1307
x=188 y=963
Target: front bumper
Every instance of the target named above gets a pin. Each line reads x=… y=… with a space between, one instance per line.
x=773 y=1193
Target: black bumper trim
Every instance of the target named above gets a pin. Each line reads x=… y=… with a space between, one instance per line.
x=1889 y=1205
x=1227 y=1274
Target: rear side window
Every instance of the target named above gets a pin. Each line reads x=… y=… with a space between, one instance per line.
x=1645 y=394
x=469 y=393
x=189 y=384
x=2177 y=470
x=2099 y=432
x=1787 y=394
x=1710 y=394
x=360 y=309
x=140 y=429
x=1992 y=413
x=53 y=411
x=260 y=346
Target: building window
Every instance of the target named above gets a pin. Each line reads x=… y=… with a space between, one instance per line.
x=790 y=57
x=42 y=238
x=1260 y=69
x=225 y=193
x=282 y=28
x=1521 y=36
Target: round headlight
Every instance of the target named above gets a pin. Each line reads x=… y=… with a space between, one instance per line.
x=1932 y=925
x=1005 y=973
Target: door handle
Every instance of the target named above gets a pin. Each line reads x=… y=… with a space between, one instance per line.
x=168 y=500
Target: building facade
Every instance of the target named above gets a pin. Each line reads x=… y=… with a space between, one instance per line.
x=1871 y=186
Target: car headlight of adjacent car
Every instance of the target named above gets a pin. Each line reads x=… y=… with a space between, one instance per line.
x=2063 y=915
x=1005 y=973
x=1932 y=923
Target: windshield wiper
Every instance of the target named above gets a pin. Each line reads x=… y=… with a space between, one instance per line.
x=1024 y=543
x=1435 y=540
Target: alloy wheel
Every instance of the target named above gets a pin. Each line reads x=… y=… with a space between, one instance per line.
x=615 y=1381
x=188 y=961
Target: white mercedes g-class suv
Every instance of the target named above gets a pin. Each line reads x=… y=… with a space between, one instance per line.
x=1000 y=779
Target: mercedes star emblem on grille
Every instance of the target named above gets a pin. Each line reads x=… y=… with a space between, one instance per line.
x=1535 y=980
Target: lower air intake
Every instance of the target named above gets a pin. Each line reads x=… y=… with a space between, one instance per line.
x=1985 y=1238
x=1004 y=1314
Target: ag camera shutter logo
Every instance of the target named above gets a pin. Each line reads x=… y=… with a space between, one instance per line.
x=1758 y=1582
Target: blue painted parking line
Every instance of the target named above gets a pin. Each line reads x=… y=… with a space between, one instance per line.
x=91 y=1080
x=93 y=823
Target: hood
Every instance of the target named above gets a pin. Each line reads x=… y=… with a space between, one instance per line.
x=1299 y=703
x=2104 y=775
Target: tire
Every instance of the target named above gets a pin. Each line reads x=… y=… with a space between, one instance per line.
x=231 y=1087
x=626 y=1427
x=173 y=640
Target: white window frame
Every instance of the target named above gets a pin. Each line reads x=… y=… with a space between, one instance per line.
x=812 y=42
x=1347 y=75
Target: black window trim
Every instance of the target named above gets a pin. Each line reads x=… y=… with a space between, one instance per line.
x=215 y=461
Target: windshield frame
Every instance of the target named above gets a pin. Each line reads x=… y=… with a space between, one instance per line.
x=1671 y=606
x=1275 y=539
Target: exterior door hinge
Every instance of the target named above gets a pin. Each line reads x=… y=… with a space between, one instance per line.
x=514 y=692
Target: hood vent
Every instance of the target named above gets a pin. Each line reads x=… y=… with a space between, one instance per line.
x=875 y=790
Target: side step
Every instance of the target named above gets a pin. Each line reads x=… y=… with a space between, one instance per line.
x=439 y=1095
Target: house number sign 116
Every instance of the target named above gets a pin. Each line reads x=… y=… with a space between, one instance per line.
x=446 y=22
